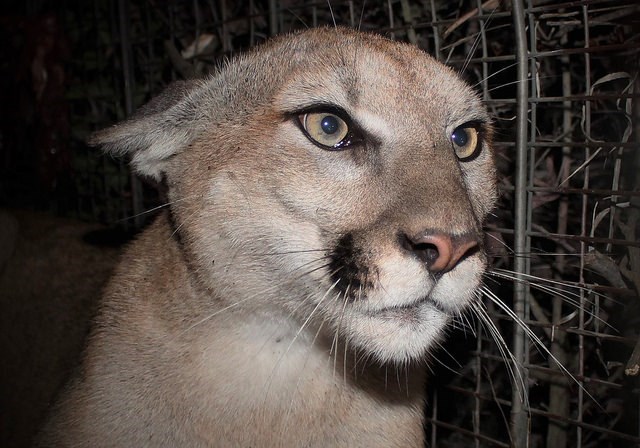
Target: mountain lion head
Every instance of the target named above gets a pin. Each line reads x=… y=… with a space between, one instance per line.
x=334 y=180
x=326 y=193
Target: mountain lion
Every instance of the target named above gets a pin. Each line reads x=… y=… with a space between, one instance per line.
x=326 y=197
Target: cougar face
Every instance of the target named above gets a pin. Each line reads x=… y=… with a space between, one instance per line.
x=329 y=184
x=347 y=189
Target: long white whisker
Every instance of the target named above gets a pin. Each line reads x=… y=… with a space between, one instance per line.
x=361 y=15
x=269 y=381
x=503 y=347
x=337 y=330
x=240 y=302
x=476 y=43
x=333 y=16
x=569 y=297
x=497 y=72
x=306 y=322
x=535 y=339
x=159 y=207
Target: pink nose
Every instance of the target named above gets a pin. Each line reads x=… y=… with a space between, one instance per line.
x=441 y=252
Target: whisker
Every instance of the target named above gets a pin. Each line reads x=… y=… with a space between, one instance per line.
x=290 y=252
x=337 y=331
x=306 y=322
x=505 y=420
x=309 y=350
x=361 y=15
x=294 y=339
x=441 y=348
x=239 y=302
x=536 y=340
x=156 y=208
x=510 y=360
x=497 y=72
x=184 y=221
x=476 y=43
x=554 y=287
x=298 y=18
x=333 y=17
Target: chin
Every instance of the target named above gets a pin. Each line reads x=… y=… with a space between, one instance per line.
x=397 y=335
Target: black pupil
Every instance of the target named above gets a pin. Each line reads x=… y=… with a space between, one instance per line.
x=460 y=137
x=329 y=124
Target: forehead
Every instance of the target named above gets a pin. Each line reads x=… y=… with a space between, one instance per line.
x=381 y=78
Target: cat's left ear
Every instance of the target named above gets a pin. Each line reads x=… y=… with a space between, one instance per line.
x=158 y=130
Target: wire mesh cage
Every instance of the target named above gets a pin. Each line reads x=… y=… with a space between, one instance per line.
x=555 y=360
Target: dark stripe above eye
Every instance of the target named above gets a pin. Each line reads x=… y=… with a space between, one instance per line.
x=479 y=124
x=320 y=107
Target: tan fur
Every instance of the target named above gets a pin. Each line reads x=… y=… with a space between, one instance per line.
x=275 y=304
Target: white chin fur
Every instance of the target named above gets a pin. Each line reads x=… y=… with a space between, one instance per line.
x=397 y=335
x=406 y=316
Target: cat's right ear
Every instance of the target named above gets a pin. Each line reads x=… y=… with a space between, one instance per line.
x=158 y=130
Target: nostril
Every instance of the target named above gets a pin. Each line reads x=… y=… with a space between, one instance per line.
x=428 y=253
x=439 y=251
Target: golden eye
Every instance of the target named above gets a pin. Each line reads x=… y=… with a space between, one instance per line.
x=465 y=141
x=325 y=129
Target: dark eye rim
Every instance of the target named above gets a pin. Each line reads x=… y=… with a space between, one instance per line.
x=479 y=128
x=353 y=137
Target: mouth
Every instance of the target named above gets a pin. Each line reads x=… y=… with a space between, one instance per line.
x=409 y=313
x=397 y=333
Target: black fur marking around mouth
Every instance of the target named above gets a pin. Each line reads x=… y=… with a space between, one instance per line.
x=348 y=271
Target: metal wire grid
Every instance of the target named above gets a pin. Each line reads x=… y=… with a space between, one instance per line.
x=570 y=189
x=570 y=226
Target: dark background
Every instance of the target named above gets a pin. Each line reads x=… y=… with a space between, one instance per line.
x=68 y=68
